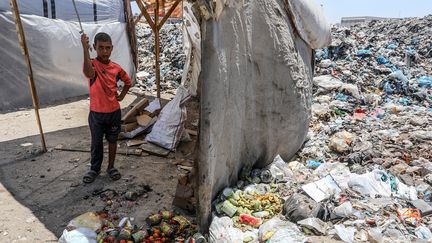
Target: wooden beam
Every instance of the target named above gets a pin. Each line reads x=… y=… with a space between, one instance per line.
x=157 y=48
x=131 y=32
x=165 y=18
x=146 y=15
x=22 y=40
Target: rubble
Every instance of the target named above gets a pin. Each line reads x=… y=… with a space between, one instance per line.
x=363 y=175
x=172 y=58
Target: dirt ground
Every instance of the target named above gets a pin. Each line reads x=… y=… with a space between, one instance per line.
x=49 y=185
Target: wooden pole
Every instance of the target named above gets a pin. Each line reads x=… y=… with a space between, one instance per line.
x=32 y=85
x=146 y=15
x=156 y=26
x=157 y=48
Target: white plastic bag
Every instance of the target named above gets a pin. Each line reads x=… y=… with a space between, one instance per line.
x=279 y=231
x=371 y=184
x=168 y=129
x=345 y=233
x=79 y=235
x=222 y=230
x=279 y=169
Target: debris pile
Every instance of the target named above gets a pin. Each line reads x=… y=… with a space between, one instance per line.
x=102 y=227
x=365 y=172
x=172 y=58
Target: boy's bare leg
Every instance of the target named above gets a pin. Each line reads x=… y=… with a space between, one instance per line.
x=112 y=150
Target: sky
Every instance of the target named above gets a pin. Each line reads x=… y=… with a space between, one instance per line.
x=335 y=9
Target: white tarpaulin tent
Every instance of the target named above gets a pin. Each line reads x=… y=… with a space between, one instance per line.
x=53 y=40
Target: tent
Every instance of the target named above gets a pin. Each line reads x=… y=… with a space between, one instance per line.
x=53 y=40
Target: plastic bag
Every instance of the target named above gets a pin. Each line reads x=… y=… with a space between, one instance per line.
x=168 y=129
x=341 y=142
x=87 y=220
x=80 y=235
x=222 y=230
x=278 y=231
x=279 y=169
x=345 y=233
x=371 y=184
x=327 y=82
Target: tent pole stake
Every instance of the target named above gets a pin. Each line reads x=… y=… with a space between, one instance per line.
x=21 y=37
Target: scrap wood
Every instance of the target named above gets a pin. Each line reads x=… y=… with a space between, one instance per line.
x=130 y=116
x=137 y=152
x=134 y=142
x=154 y=149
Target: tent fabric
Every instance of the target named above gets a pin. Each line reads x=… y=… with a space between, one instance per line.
x=311 y=22
x=56 y=55
x=100 y=11
x=192 y=50
x=256 y=85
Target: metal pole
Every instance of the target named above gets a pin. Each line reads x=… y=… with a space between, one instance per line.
x=32 y=85
x=157 y=48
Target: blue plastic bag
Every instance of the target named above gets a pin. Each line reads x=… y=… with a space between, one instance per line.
x=382 y=60
x=392 y=46
x=364 y=53
x=313 y=164
x=425 y=82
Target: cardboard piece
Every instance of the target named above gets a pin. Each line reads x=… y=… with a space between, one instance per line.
x=322 y=189
x=143 y=120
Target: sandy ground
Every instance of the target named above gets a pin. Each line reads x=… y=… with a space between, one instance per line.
x=23 y=123
x=41 y=192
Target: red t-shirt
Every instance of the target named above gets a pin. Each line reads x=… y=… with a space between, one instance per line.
x=103 y=86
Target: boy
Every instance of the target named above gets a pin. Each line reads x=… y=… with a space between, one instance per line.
x=105 y=115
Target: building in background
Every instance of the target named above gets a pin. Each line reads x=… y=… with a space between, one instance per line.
x=349 y=21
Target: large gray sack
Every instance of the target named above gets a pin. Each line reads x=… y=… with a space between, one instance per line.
x=255 y=94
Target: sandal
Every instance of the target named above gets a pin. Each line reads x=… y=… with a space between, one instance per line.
x=114 y=174
x=90 y=176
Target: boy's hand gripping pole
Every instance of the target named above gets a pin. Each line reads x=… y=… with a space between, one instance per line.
x=79 y=20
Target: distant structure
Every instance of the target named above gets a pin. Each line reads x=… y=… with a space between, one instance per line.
x=349 y=21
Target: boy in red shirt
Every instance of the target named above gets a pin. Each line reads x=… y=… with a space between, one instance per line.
x=105 y=115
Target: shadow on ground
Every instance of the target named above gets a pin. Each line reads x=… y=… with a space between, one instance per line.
x=50 y=184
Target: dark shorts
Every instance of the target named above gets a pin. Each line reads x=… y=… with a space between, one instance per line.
x=108 y=124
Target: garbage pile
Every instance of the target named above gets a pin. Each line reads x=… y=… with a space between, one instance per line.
x=172 y=58
x=102 y=227
x=365 y=172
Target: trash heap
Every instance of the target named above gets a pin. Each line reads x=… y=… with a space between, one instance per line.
x=172 y=58
x=365 y=172
x=102 y=227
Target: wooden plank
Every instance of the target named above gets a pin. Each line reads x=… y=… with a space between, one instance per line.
x=146 y=15
x=122 y=151
x=155 y=150
x=23 y=43
x=134 y=142
x=130 y=116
